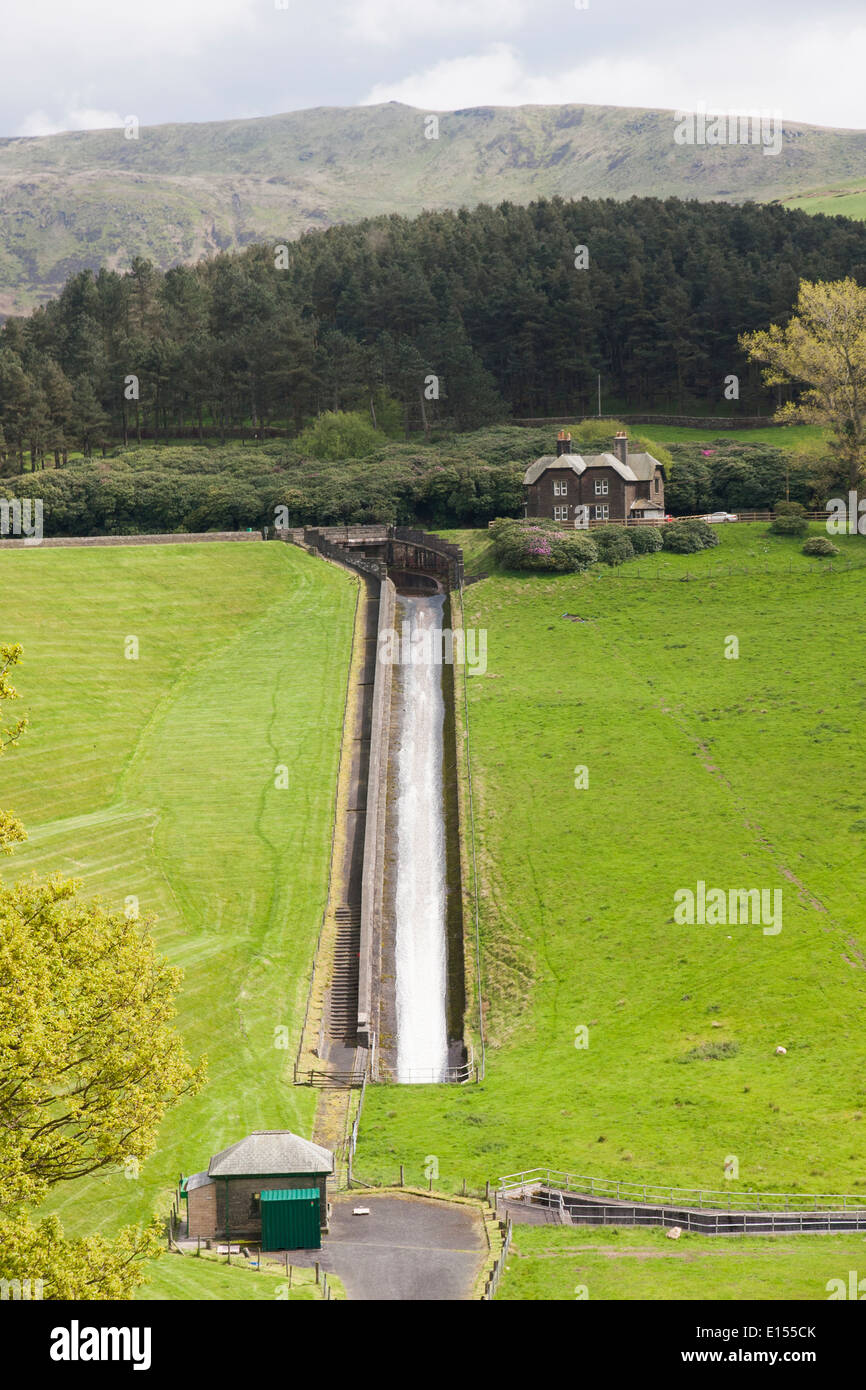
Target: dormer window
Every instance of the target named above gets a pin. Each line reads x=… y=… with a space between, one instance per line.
x=560 y=489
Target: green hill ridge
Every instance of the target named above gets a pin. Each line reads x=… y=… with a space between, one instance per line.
x=85 y=199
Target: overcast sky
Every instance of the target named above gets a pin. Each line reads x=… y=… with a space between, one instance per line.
x=81 y=64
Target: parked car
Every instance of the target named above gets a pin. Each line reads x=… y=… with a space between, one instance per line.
x=720 y=516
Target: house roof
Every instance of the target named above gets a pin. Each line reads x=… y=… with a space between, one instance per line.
x=611 y=461
x=639 y=469
x=644 y=466
x=645 y=504
x=268 y=1151
x=535 y=470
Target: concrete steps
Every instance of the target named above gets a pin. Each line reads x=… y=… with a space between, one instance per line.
x=342 y=1018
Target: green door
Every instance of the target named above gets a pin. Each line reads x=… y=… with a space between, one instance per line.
x=290 y=1219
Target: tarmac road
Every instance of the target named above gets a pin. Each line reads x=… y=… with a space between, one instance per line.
x=412 y=1248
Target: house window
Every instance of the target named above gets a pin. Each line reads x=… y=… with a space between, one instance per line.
x=601 y=487
x=602 y=512
x=560 y=513
x=560 y=489
x=655 y=484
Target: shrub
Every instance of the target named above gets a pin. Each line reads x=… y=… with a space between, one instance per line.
x=613 y=544
x=645 y=540
x=340 y=434
x=686 y=537
x=820 y=545
x=788 y=526
x=789 y=508
x=539 y=545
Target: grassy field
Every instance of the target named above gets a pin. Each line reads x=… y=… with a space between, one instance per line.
x=555 y=1262
x=740 y=773
x=843 y=200
x=187 y=1277
x=155 y=778
x=784 y=437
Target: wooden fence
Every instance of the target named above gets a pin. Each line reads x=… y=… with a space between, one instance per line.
x=495 y=1275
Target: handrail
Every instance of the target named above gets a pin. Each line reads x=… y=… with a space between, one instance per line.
x=615 y=1189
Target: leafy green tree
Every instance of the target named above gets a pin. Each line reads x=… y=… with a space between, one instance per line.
x=11 y=829
x=822 y=350
x=339 y=434
x=89 y=1063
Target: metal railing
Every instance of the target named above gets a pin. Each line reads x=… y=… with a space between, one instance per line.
x=459 y=1075
x=709 y=1199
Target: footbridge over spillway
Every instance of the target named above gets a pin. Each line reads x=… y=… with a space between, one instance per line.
x=398 y=552
x=392 y=978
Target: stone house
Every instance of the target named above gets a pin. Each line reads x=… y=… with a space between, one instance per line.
x=224 y=1202
x=576 y=489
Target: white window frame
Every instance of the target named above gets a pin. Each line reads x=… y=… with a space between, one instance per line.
x=602 y=511
x=560 y=489
x=560 y=513
x=602 y=487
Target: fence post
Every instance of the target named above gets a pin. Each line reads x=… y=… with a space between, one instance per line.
x=402 y=1176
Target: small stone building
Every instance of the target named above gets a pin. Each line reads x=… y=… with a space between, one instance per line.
x=575 y=489
x=225 y=1201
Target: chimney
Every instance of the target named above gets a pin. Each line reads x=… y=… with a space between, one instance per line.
x=620 y=446
x=563 y=443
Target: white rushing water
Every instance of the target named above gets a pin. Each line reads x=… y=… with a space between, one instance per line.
x=422 y=1037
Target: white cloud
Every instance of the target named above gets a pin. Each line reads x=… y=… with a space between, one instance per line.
x=814 y=77
x=498 y=77
x=74 y=118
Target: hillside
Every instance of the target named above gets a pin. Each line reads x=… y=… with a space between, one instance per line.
x=86 y=199
x=125 y=802
x=698 y=768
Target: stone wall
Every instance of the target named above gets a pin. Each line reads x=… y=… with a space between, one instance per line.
x=180 y=538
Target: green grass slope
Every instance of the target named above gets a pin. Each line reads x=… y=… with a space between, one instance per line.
x=741 y=773
x=88 y=198
x=840 y=200
x=175 y=1277
x=566 y=1263
x=155 y=778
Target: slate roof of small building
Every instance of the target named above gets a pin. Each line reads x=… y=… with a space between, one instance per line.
x=535 y=470
x=196 y=1180
x=268 y=1151
x=643 y=504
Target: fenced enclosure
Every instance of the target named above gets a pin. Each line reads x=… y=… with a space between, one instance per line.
x=583 y=1201
x=617 y=1190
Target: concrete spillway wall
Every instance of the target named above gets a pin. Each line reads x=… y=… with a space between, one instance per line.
x=372 y=891
x=370 y=551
